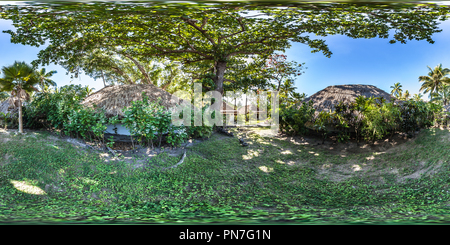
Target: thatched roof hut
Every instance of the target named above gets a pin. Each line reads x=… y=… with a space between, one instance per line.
x=10 y=105
x=327 y=98
x=114 y=98
x=446 y=108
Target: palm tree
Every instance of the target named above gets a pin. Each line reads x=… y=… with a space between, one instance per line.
x=417 y=97
x=44 y=79
x=442 y=96
x=396 y=90
x=406 y=95
x=286 y=90
x=19 y=79
x=436 y=78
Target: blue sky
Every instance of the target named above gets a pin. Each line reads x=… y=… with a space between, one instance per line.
x=371 y=61
x=10 y=52
x=354 y=61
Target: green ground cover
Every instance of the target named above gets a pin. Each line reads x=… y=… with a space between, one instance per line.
x=44 y=179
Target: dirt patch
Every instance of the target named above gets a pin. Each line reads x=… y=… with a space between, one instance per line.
x=341 y=172
x=6 y=159
x=334 y=147
x=423 y=171
x=368 y=171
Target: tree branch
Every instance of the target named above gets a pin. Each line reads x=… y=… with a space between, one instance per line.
x=262 y=40
x=204 y=22
x=200 y=29
x=247 y=52
x=243 y=29
x=123 y=74
x=139 y=66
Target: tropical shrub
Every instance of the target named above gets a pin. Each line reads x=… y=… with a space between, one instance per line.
x=6 y=119
x=139 y=121
x=420 y=114
x=176 y=135
x=198 y=131
x=344 y=118
x=321 y=124
x=87 y=123
x=52 y=109
x=435 y=114
x=293 y=118
x=380 y=120
x=151 y=121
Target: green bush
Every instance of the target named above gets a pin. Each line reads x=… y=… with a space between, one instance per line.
x=139 y=120
x=420 y=114
x=62 y=110
x=344 y=119
x=48 y=110
x=321 y=124
x=150 y=120
x=293 y=118
x=368 y=118
x=8 y=120
x=198 y=131
x=176 y=135
x=380 y=120
x=87 y=123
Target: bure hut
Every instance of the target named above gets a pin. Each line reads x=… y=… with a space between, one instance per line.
x=327 y=98
x=112 y=99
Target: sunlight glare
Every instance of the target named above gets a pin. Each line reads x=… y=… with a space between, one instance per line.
x=290 y=163
x=280 y=162
x=88 y=181
x=370 y=158
x=27 y=188
x=266 y=169
x=250 y=155
x=356 y=167
x=286 y=152
x=315 y=154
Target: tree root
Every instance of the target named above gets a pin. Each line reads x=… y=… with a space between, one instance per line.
x=243 y=143
x=180 y=162
x=111 y=150
x=224 y=131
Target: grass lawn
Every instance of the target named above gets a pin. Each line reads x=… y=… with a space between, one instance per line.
x=45 y=179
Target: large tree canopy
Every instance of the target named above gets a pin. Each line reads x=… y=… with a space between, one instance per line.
x=217 y=36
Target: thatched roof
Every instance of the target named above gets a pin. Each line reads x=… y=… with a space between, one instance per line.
x=327 y=98
x=114 y=98
x=10 y=105
x=446 y=108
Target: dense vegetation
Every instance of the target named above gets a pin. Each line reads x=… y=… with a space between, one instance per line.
x=147 y=121
x=367 y=118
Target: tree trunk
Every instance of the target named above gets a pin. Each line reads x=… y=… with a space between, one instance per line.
x=246 y=110
x=279 y=85
x=221 y=66
x=164 y=87
x=20 y=117
x=103 y=77
x=123 y=74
